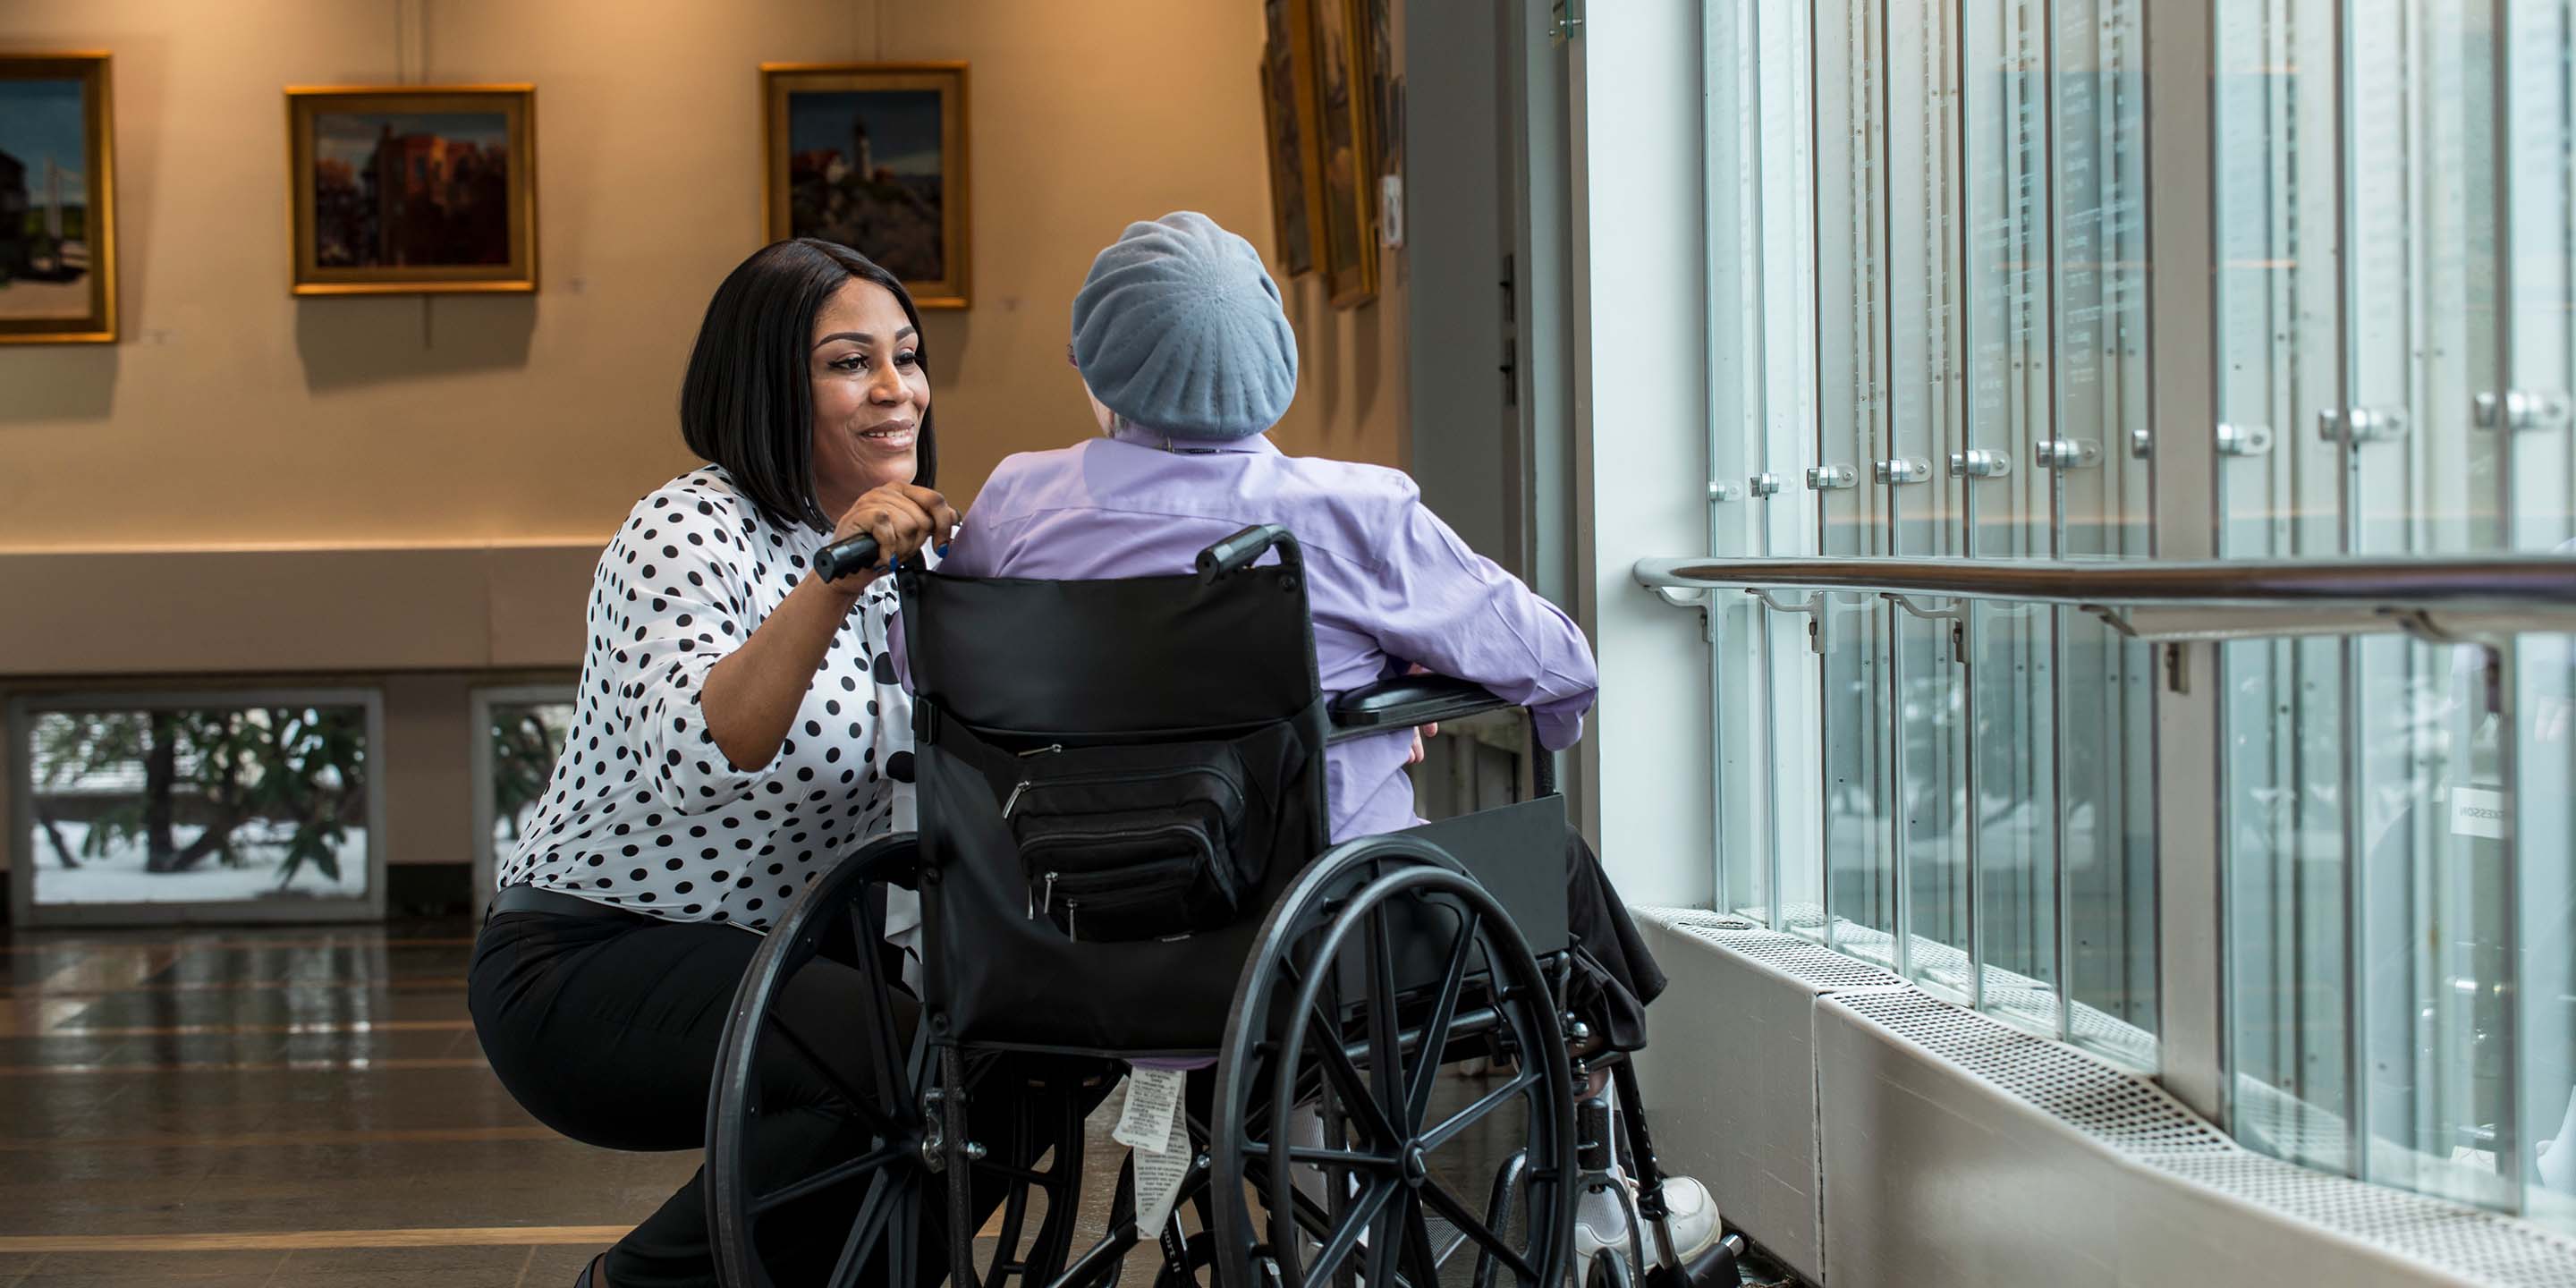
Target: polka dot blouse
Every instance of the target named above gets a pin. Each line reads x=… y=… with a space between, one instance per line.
x=644 y=811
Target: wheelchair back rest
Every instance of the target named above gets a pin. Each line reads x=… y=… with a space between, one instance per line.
x=1097 y=660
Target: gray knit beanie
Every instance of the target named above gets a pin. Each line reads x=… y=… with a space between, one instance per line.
x=1179 y=329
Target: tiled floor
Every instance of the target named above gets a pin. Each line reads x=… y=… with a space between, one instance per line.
x=283 y=1108
x=291 y=1108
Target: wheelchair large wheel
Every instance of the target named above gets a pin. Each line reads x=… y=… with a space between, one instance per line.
x=887 y=1177
x=1385 y=961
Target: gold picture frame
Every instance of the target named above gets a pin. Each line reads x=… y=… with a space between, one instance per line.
x=874 y=156
x=412 y=189
x=1288 y=127
x=57 y=261
x=1346 y=148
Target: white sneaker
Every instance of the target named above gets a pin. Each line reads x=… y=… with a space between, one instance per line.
x=1692 y=1217
x=1601 y=1222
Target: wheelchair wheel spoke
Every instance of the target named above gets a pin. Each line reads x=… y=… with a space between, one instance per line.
x=1386 y=1243
x=1347 y=1079
x=1386 y=1048
x=906 y=1257
x=1421 y=1260
x=1320 y=1157
x=1488 y=1103
x=1347 y=1230
x=1425 y=1073
x=885 y=1047
x=1456 y=1213
x=862 y=1105
x=867 y=1232
x=825 y=1179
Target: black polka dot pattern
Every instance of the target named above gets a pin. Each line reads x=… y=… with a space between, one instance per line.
x=643 y=811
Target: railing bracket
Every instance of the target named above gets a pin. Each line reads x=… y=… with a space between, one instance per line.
x=1814 y=608
x=1956 y=615
x=2113 y=618
x=2420 y=625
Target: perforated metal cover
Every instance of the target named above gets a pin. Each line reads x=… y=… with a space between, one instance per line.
x=2127 y=1113
x=2480 y=1246
x=1696 y=918
x=1808 y=963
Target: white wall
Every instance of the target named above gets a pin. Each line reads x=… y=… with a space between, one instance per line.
x=1641 y=468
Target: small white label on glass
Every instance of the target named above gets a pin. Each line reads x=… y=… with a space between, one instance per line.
x=2476 y=811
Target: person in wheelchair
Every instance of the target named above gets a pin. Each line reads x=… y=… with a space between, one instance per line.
x=1187 y=360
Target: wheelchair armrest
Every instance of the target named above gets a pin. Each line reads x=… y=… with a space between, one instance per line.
x=1407 y=701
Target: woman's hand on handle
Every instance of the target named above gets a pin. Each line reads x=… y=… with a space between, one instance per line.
x=752 y=695
x=903 y=517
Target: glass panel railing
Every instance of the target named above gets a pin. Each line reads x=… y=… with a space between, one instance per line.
x=1939 y=218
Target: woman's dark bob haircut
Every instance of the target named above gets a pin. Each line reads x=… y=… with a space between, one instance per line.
x=747 y=403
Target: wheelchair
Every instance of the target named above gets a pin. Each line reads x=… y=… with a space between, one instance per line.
x=1121 y=857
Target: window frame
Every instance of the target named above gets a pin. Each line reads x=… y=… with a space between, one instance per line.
x=26 y=913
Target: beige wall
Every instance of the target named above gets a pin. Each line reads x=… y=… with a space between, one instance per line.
x=300 y=451
x=235 y=414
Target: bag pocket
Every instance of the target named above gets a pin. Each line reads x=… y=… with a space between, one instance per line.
x=1132 y=850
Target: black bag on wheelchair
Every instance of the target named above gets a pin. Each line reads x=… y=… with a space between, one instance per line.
x=1108 y=829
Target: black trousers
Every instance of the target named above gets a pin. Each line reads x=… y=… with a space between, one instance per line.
x=1615 y=975
x=606 y=1031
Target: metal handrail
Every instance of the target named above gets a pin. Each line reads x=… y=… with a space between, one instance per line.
x=2461 y=598
x=2497 y=583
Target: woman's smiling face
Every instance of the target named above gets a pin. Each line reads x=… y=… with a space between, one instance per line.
x=870 y=394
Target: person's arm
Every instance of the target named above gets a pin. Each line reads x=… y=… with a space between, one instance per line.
x=1441 y=606
x=752 y=695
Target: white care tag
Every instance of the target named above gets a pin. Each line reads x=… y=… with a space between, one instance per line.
x=1159 y=1173
x=1152 y=1126
x=2476 y=811
x=1153 y=1100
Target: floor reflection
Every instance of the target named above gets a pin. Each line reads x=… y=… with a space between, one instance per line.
x=298 y=1107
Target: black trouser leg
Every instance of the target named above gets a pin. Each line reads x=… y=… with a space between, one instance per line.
x=1615 y=974
x=607 y=1032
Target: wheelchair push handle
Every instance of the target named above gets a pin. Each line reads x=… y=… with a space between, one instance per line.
x=1236 y=553
x=841 y=558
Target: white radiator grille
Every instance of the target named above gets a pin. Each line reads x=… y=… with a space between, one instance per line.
x=1808 y=963
x=2125 y=1112
x=1697 y=918
x=2477 y=1245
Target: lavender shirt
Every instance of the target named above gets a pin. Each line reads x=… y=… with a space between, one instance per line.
x=1388 y=582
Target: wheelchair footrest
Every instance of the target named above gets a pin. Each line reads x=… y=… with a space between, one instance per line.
x=1715 y=1268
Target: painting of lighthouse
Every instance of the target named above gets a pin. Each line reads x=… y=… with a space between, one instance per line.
x=57 y=246
x=873 y=156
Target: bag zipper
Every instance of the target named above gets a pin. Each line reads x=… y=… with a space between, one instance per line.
x=1012 y=802
x=1045 y=902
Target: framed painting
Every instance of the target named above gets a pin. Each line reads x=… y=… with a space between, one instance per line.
x=57 y=200
x=412 y=190
x=1347 y=151
x=874 y=156
x=1386 y=86
x=1288 y=123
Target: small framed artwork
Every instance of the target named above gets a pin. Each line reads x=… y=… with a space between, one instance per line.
x=874 y=156
x=1348 y=151
x=1288 y=122
x=412 y=190
x=57 y=200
